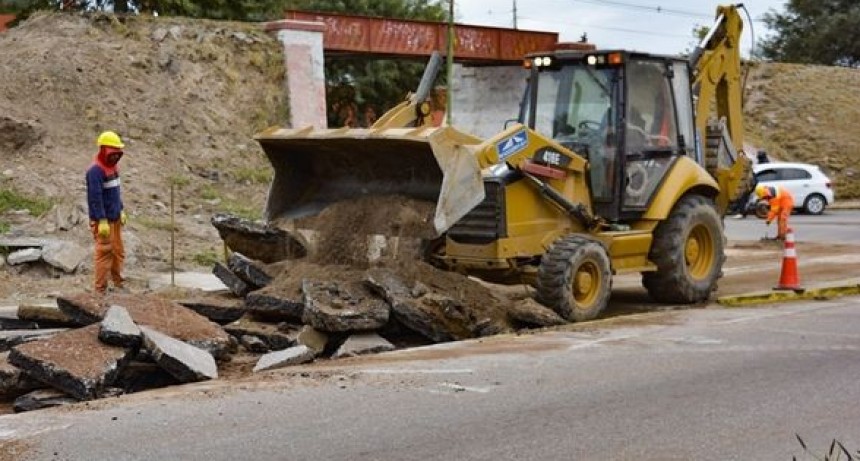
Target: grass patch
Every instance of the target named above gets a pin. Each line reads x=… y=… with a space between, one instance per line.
x=207 y=258
x=179 y=180
x=253 y=175
x=158 y=224
x=242 y=210
x=11 y=200
x=208 y=192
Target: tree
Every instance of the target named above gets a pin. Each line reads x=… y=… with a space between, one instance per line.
x=815 y=32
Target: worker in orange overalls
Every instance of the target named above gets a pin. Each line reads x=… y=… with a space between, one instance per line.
x=781 y=203
x=106 y=212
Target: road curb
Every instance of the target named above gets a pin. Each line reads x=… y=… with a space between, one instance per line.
x=765 y=297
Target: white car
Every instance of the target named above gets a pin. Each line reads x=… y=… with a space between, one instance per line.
x=811 y=188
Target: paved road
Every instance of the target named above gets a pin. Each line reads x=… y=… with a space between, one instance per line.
x=835 y=226
x=706 y=384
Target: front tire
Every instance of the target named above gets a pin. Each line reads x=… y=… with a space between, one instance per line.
x=814 y=204
x=688 y=249
x=575 y=278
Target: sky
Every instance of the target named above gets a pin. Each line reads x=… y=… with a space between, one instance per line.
x=653 y=26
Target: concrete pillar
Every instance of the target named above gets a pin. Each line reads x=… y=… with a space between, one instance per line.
x=303 y=57
x=485 y=97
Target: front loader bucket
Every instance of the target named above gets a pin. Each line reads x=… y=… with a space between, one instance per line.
x=316 y=168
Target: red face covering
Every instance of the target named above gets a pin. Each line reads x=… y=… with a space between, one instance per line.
x=107 y=159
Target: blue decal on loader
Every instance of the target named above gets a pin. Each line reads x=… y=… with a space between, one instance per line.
x=512 y=145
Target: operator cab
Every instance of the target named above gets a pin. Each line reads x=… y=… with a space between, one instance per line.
x=629 y=114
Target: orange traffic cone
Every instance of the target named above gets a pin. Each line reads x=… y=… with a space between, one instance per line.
x=789 y=279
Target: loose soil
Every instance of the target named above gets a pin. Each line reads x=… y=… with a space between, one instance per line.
x=342 y=228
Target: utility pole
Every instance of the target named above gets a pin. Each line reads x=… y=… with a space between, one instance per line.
x=449 y=98
x=515 y=14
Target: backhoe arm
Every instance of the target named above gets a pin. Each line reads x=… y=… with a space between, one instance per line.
x=415 y=110
x=716 y=64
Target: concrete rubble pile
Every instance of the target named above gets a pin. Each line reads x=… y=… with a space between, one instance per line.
x=63 y=255
x=348 y=311
x=80 y=346
x=102 y=346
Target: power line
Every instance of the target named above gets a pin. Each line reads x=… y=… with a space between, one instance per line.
x=616 y=29
x=655 y=9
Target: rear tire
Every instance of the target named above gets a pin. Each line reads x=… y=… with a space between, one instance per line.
x=575 y=278
x=815 y=204
x=688 y=249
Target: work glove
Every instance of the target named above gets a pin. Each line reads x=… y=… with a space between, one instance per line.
x=123 y=218
x=104 y=228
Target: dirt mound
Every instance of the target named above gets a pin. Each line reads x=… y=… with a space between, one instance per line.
x=345 y=229
x=186 y=96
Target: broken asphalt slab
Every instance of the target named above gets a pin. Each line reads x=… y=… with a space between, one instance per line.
x=12 y=380
x=118 y=329
x=44 y=312
x=274 y=302
x=258 y=241
x=183 y=361
x=248 y=271
x=361 y=344
x=532 y=313
x=11 y=338
x=293 y=356
x=235 y=284
x=414 y=311
x=276 y=337
x=160 y=314
x=336 y=307
x=75 y=362
x=42 y=398
x=219 y=308
x=310 y=337
x=203 y=281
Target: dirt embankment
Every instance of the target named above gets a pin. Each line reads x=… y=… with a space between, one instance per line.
x=807 y=114
x=186 y=96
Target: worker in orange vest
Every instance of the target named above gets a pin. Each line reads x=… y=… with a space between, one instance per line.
x=781 y=203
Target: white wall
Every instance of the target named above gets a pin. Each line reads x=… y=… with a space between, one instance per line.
x=485 y=97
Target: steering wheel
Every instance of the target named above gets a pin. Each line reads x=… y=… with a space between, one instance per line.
x=590 y=125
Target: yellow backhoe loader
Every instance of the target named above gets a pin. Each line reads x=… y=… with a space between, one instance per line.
x=621 y=162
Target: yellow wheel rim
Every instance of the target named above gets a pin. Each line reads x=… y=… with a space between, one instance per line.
x=699 y=252
x=586 y=284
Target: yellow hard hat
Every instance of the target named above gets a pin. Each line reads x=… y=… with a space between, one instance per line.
x=762 y=191
x=110 y=139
